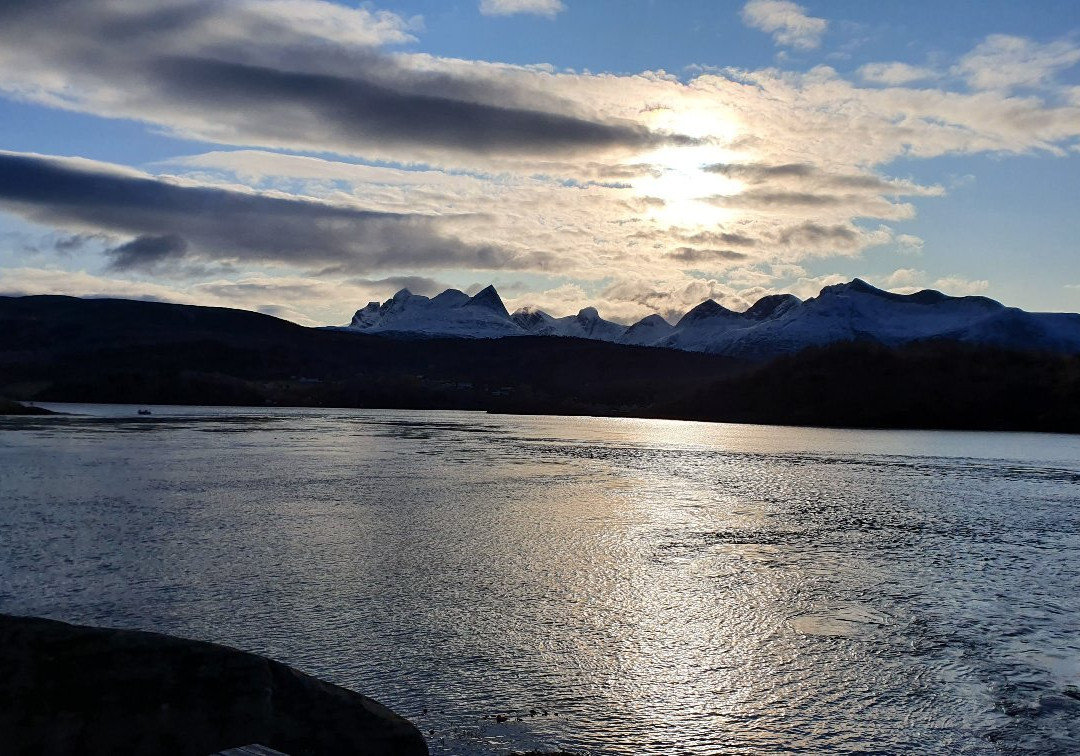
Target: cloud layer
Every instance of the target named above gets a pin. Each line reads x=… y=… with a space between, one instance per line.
x=168 y=223
x=296 y=74
x=639 y=193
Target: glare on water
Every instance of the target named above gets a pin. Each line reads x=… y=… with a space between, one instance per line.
x=613 y=586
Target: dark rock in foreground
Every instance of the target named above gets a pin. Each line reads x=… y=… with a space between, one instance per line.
x=68 y=689
x=8 y=407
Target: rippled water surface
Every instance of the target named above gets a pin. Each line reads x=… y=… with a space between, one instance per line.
x=613 y=586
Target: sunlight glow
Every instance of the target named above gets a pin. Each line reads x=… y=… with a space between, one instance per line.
x=683 y=184
x=685 y=187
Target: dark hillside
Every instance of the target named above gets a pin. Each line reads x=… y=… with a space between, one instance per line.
x=62 y=348
x=924 y=385
x=67 y=349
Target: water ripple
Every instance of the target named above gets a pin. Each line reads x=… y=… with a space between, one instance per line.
x=603 y=586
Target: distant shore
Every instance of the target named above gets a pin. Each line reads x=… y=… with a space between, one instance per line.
x=144 y=353
x=9 y=407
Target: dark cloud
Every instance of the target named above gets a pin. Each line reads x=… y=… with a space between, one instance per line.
x=816 y=234
x=725 y=238
x=283 y=85
x=693 y=255
x=756 y=172
x=147 y=252
x=358 y=111
x=415 y=284
x=761 y=199
x=762 y=173
x=170 y=222
x=74 y=242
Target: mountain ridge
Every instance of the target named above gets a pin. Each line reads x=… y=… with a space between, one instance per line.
x=775 y=325
x=66 y=349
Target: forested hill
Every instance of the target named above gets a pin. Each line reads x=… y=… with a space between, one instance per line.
x=101 y=350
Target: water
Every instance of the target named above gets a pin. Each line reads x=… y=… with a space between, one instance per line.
x=613 y=586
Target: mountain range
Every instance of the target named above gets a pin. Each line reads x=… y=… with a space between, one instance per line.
x=55 y=348
x=775 y=325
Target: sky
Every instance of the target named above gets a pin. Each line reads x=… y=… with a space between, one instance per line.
x=303 y=157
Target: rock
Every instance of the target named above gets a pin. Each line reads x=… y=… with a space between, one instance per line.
x=69 y=689
x=9 y=407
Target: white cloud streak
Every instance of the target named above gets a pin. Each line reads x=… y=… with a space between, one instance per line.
x=787 y=22
x=1004 y=63
x=895 y=74
x=549 y=8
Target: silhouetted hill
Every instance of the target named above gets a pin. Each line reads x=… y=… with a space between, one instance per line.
x=69 y=349
x=99 y=350
x=936 y=384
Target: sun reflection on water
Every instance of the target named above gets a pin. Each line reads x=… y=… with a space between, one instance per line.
x=645 y=587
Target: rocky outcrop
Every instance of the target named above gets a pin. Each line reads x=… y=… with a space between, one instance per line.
x=8 y=407
x=68 y=689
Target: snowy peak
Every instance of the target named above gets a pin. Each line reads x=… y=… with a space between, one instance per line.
x=450 y=298
x=452 y=313
x=859 y=290
x=587 y=324
x=705 y=311
x=489 y=299
x=772 y=305
x=533 y=320
x=396 y=303
x=774 y=325
x=854 y=286
x=366 y=317
x=647 y=331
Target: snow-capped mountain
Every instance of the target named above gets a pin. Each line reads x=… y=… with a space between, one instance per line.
x=452 y=313
x=774 y=325
x=587 y=324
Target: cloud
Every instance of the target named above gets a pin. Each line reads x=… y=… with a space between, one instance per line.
x=911 y=280
x=822 y=205
x=903 y=278
x=895 y=74
x=1004 y=63
x=461 y=164
x=549 y=8
x=787 y=22
x=170 y=222
x=909 y=244
x=696 y=256
x=839 y=123
x=354 y=111
x=958 y=286
x=722 y=237
x=305 y=300
x=577 y=225
x=147 y=251
x=295 y=74
x=811 y=233
x=19 y=282
x=806 y=174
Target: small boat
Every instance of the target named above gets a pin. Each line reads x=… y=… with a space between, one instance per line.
x=144 y=412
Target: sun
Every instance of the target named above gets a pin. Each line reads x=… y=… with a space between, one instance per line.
x=692 y=195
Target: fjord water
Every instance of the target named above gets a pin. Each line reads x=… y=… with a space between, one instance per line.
x=613 y=586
